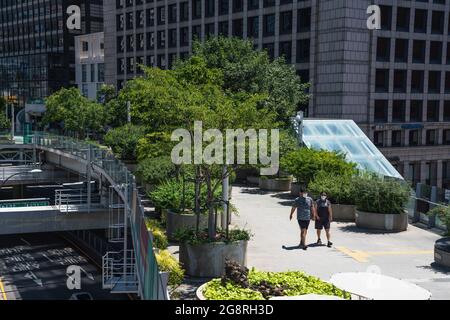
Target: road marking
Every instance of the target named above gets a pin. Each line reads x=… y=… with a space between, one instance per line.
x=25 y=241
x=2 y=290
x=363 y=256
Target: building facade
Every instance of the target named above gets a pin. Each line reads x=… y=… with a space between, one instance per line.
x=90 y=63
x=37 y=53
x=394 y=82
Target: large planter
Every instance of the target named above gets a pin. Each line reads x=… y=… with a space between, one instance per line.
x=243 y=173
x=177 y=221
x=275 y=184
x=442 y=252
x=344 y=212
x=253 y=180
x=208 y=260
x=382 y=222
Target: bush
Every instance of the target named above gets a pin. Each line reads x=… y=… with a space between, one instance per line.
x=169 y=195
x=291 y=283
x=159 y=237
x=443 y=213
x=378 y=195
x=167 y=263
x=124 y=140
x=339 y=188
x=156 y=170
x=305 y=163
x=191 y=237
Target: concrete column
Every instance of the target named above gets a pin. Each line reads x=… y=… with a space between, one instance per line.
x=439 y=178
x=432 y=219
x=416 y=216
x=423 y=172
x=405 y=172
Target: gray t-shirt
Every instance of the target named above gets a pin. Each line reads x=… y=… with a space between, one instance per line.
x=304 y=207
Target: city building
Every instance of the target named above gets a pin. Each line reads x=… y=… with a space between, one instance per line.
x=37 y=54
x=89 y=63
x=394 y=82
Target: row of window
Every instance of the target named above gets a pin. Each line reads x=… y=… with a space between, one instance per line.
x=416 y=108
x=32 y=11
x=416 y=84
x=141 y=18
x=96 y=72
x=419 y=49
x=398 y=138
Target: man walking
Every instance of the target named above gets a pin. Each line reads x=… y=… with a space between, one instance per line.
x=305 y=210
x=323 y=218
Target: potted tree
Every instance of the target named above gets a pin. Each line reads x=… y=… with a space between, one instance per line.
x=381 y=203
x=442 y=246
x=340 y=191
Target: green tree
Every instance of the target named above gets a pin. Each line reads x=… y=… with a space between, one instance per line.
x=5 y=123
x=124 y=140
x=75 y=112
x=245 y=69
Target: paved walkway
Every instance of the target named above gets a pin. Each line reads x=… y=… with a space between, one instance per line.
x=407 y=255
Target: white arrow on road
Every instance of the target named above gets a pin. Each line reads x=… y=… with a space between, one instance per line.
x=89 y=275
x=32 y=276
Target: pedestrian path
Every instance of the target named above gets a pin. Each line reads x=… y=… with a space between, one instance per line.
x=407 y=255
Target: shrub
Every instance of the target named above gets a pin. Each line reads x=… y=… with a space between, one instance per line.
x=378 y=195
x=443 y=213
x=191 y=237
x=124 y=140
x=159 y=237
x=339 y=188
x=167 y=263
x=305 y=163
x=156 y=170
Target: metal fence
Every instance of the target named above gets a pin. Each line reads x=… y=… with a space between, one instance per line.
x=124 y=182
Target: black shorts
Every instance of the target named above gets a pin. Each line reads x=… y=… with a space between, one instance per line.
x=323 y=223
x=304 y=224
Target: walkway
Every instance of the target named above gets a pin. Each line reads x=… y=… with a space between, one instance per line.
x=407 y=255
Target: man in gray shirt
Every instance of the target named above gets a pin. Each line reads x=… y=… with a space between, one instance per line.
x=305 y=210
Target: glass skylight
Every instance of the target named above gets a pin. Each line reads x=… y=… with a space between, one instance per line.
x=345 y=136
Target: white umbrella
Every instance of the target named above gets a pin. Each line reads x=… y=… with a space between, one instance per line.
x=378 y=287
x=308 y=297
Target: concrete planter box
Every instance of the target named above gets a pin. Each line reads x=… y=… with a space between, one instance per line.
x=163 y=288
x=253 y=180
x=344 y=212
x=383 y=222
x=442 y=252
x=208 y=260
x=275 y=184
x=177 y=221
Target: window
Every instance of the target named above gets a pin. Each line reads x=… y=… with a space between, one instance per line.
x=252 y=4
x=172 y=38
x=398 y=111
x=433 y=111
x=209 y=8
x=434 y=81
x=223 y=7
x=415 y=113
x=417 y=81
x=396 y=138
x=446 y=137
x=419 y=51
x=84 y=73
x=172 y=11
x=268 y=3
x=431 y=137
x=285 y=49
x=269 y=25
x=197 y=32
x=400 y=80
x=101 y=72
x=401 y=50
x=184 y=37
x=150 y=17
x=253 y=27
x=184 y=11
x=383 y=49
x=420 y=21
x=238 y=28
x=386 y=17
x=223 y=28
x=436 y=52
x=286 y=22
x=304 y=20
x=303 y=50
x=403 y=19
x=437 y=22
x=238 y=6
x=196 y=9
x=92 y=67
x=381 y=111
x=446 y=110
x=413 y=137
x=270 y=48
x=378 y=138
x=209 y=30
x=382 y=80
x=85 y=46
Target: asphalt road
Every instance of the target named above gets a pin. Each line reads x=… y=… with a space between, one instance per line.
x=34 y=266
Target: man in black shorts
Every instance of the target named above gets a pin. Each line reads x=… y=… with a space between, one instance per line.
x=305 y=210
x=323 y=217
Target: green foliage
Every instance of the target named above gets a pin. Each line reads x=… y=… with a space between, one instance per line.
x=339 y=188
x=160 y=240
x=305 y=163
x=443 y=213
x=169 y=195
x=106 y=93
x=247 y=70
x=167 y=263
x=154 y=145
x=192 y=237
x=380 y=195
x=78 y=114
x=295 y=283
x=156 y=170
x=124 y=140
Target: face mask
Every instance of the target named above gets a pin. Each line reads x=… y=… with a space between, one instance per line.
x=323 y=198
x=305 y=195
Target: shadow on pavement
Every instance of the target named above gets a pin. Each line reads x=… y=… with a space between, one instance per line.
x=355 y=229
x=297 y=247
x=436 y=268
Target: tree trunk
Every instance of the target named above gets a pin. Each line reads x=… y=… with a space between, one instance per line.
x=211 y=213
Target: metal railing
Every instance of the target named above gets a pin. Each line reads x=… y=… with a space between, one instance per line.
x=68 y=200
x=102 y=160
x=119 y=272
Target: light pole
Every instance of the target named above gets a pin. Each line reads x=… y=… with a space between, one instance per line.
x=19 y=173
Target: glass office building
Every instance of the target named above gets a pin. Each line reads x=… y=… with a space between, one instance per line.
x=36 y=48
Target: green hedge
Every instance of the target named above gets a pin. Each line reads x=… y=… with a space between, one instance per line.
x=339 y=188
